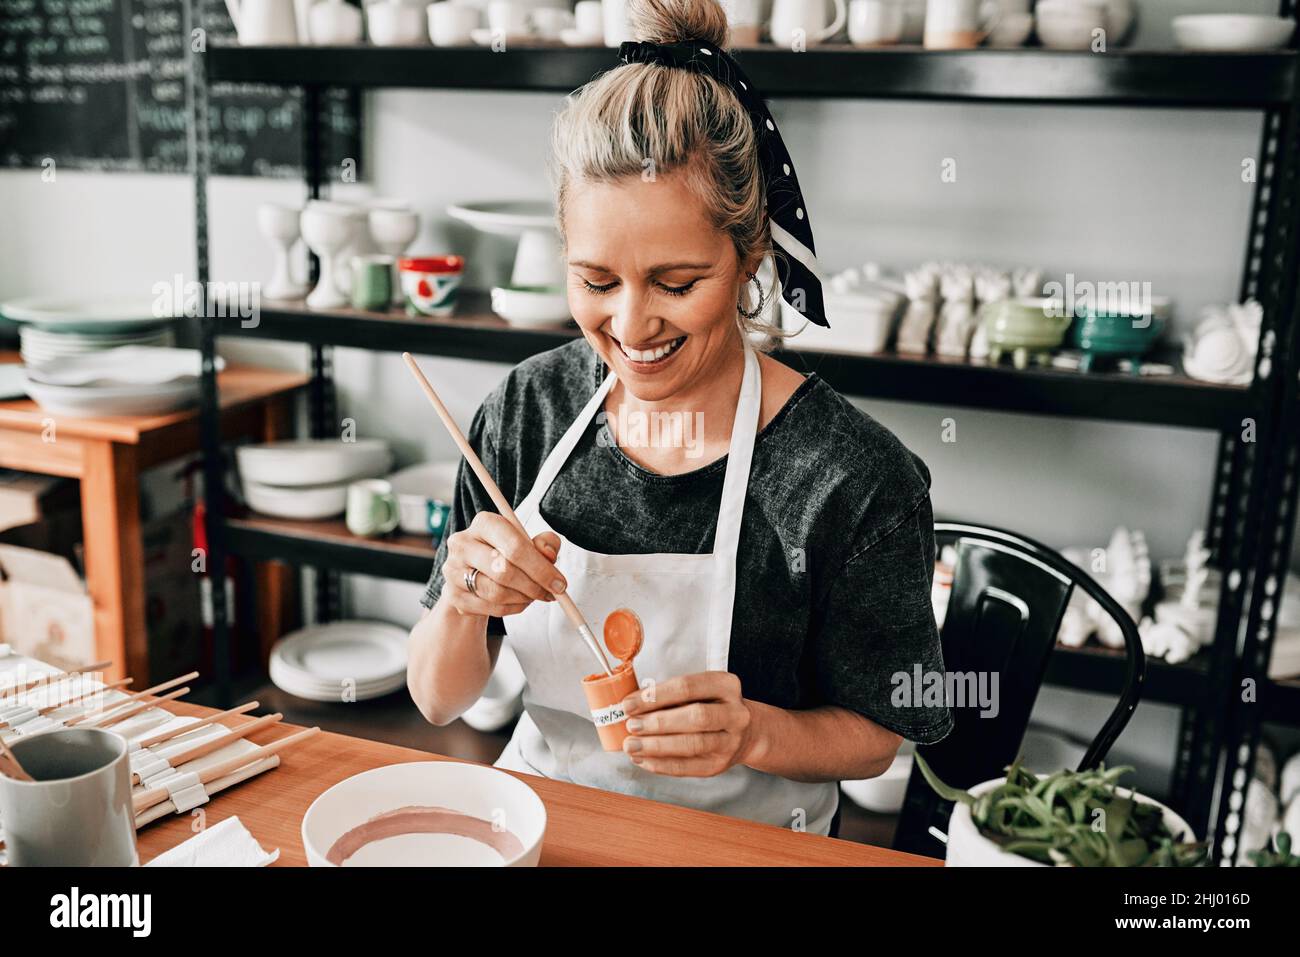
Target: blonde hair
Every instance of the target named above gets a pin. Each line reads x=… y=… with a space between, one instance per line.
x=641 y=115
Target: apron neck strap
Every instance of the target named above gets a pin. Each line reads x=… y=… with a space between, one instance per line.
x=739 y=456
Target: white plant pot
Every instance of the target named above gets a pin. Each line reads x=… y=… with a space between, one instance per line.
x=967 y=847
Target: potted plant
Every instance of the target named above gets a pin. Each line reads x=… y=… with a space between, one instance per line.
x=1067 y=819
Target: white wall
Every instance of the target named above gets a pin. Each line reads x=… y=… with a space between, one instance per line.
x=1108 y=195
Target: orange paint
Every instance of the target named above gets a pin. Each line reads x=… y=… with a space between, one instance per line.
x=605 y=693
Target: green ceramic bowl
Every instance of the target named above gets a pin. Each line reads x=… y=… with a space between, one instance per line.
x=1024 y=324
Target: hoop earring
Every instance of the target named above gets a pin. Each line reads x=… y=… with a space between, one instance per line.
x=762 y=300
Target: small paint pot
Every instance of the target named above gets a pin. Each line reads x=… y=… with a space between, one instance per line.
x=605 y=694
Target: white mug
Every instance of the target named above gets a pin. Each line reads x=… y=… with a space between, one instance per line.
x=959 y=24
x=264 y=22
x=589 y=18
x=875 y=22
x=550 y=22
x=507 y=18
x=450 y=23
x=744 y=18
x=804 y=21
x=394 y=23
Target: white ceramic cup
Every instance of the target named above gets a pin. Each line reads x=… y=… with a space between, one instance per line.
x=875 y=22
x=959 y=24
x=796 y=22
x=507 y=18
x=393 y=23
x=450 y=23
x=589 y=18
x=744 y=17
x=549 y=22
x=264 y=22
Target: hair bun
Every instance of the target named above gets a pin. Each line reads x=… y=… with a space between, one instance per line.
x=672 y=21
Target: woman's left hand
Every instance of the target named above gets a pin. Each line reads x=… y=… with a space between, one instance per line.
x=695 y=725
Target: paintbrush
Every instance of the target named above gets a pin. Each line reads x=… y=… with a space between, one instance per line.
x=503 y=506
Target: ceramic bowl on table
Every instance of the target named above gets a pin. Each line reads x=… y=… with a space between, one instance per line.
x=1232 y=32
x=528 y=307
x=1027 y=328
x=485 y=804
x=303 y=462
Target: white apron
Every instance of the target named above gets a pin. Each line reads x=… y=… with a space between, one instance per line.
x=685 y=603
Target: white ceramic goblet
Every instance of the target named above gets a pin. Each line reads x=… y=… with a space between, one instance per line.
x=328 y=229
x=393 y=227
x=279 y=224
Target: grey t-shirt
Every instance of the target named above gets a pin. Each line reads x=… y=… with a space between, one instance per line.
x=836 y=551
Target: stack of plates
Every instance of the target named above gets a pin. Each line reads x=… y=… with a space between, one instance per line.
x=131 y=380
x=307 y=479
x=341 y=661
x=39 y=346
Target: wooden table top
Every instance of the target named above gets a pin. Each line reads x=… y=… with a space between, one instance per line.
x=586 y=826
x=237 y=385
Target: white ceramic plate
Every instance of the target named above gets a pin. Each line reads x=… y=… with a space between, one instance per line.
x=300 y=462
x=505 y=217
x=127 y=366
x=481 y=792
x=305 y=502
x=360 y=651
x=331 y=691
x=83 y=315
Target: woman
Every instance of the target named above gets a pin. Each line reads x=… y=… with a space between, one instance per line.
x=776 y=541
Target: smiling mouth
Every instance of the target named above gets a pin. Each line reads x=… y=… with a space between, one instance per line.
x=645 y=358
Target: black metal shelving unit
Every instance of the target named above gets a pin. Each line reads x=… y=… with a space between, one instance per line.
x=1252 y=511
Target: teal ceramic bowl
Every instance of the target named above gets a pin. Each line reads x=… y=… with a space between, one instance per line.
x=1114 y=336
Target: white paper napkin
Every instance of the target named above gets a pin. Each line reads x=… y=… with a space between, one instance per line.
x=227 y=844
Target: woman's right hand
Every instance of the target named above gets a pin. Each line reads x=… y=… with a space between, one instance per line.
x=513 y=570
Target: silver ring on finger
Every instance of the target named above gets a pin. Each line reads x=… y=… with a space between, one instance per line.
x=470 y=577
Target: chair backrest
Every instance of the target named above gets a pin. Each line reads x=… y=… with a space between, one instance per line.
x=1009 y=594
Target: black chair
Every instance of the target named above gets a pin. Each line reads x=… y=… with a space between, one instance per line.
x=1008 y=597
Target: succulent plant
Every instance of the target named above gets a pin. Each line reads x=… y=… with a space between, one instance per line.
x=1073 y=818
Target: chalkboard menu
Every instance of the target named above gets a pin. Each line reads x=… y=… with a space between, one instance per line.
x=100 y=84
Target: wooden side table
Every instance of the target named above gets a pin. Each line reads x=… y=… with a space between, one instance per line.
x=107 y=456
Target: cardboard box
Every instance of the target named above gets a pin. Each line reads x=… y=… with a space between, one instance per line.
x=45 y=612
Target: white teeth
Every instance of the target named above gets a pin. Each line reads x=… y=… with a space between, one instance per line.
x=651 y=355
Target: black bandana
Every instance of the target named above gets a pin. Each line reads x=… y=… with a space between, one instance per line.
x=798 y=270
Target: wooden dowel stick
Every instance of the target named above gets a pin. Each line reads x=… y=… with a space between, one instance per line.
x=219 y=742
x=503 y=505
x=140 y=694
x=162 y=736
x=116 y=717
x=156 y=795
